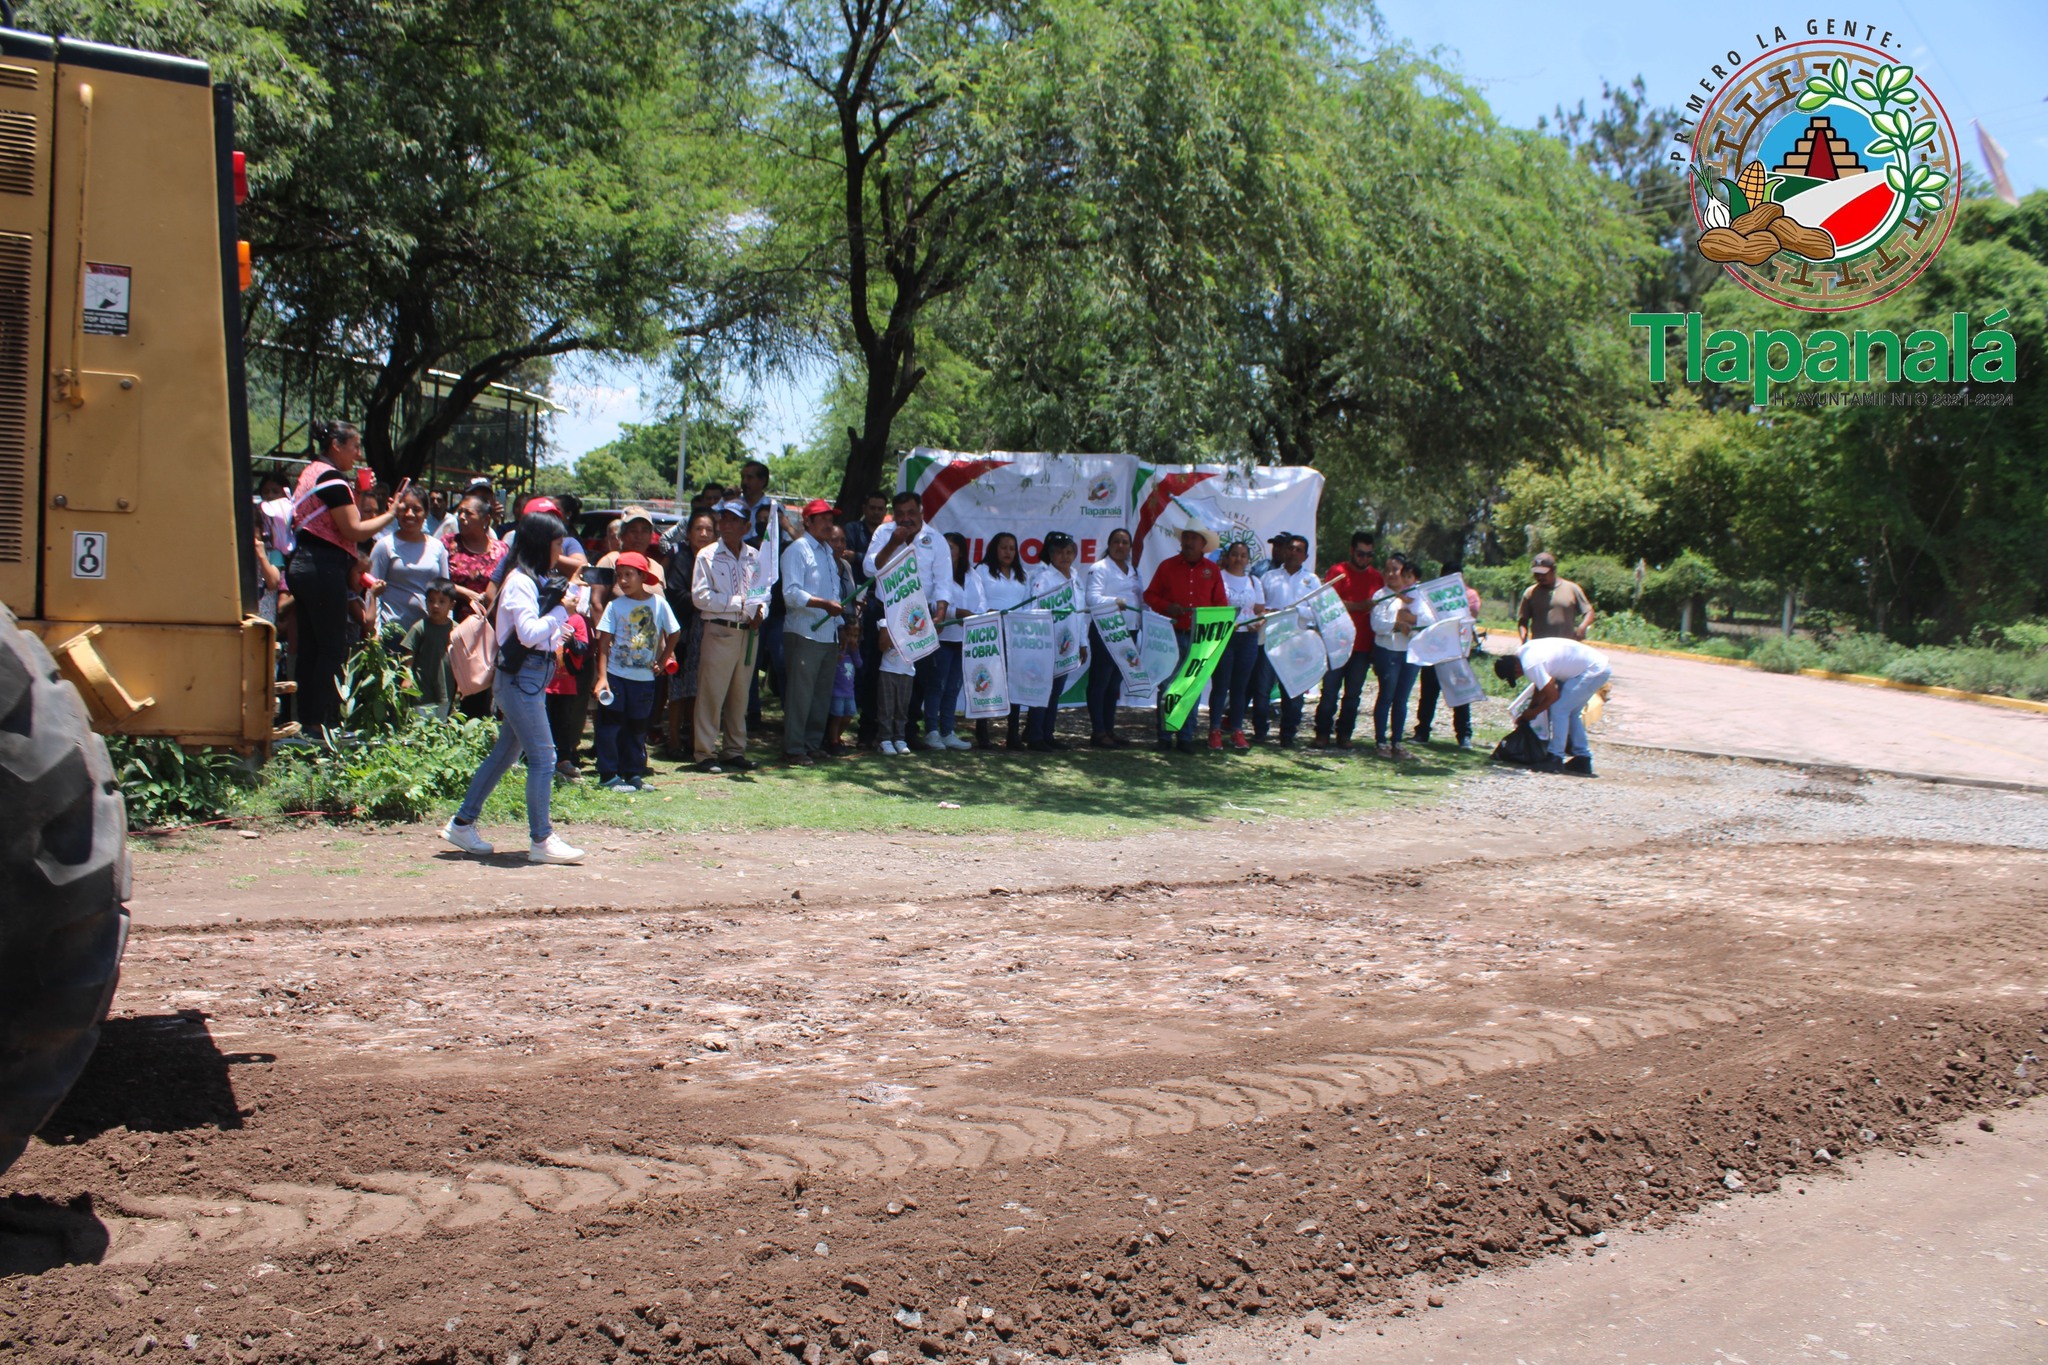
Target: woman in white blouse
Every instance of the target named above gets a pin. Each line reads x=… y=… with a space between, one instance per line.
x=1230 y=688
x=1112 y=586
x=531 y=624
x=1000 y=583
x=1056 y=572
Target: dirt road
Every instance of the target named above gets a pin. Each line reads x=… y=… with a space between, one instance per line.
x=1064 y=1123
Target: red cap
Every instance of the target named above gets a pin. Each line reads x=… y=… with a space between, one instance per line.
x=546 y=505
x=632 y=560
x=817 y=507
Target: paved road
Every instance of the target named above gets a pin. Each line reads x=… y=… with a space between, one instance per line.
x=1677 y=703
x=1909 y=1261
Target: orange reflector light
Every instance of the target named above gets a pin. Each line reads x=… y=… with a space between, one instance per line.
x=243 y=264
x=241 y=179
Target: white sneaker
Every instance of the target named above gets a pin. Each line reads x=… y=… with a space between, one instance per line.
x=895 y=746
x=955 y=742
x=934 y=740
x=466 y=838
x=553 y=850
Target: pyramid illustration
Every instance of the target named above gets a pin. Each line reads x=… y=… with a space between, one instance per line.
x=1821 y=153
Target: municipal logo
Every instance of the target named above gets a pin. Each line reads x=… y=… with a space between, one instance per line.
x=1102 y=490
x=1824 y=175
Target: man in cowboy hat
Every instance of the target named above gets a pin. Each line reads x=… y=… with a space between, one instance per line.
x=1189 y=580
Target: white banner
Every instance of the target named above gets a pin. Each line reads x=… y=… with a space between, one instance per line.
x=1159 y=653
x=1334 y=624
x=1069 y=629
x=1459 y=683
x=1296 y=653
x=1441 y=643
x=1028 y=655
x=984 y=680
x=1252 y=505
x=1087 y=496
x=904 y=607
x=1446 y=596
x=1120 y=637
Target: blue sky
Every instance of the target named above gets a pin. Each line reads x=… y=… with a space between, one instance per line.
x=1985 y=61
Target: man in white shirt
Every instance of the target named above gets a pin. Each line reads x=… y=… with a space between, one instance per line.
x=1565 y=674
x=1290 y=584
x=810 y=635
x=934 y=575
x=719 y=588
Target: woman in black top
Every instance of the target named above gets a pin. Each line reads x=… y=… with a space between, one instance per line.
x=322 y=567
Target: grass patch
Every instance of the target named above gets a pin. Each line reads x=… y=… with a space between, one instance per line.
x=1083 y=793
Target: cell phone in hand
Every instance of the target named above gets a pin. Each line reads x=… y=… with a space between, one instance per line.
x=596 y=577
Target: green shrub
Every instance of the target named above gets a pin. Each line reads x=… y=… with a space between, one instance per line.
x=1627 y=628
x=1927 y=666
x=1778 y=654
x=1499 y=582
x=1610 y=583
x=163 y=784
x=2029 y=637
x=1718 y=647
x=422 y=768
x=1666 y=590
x=377 y=692
x=1861 y=652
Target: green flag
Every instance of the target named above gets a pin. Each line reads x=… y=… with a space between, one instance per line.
x=1212 y=631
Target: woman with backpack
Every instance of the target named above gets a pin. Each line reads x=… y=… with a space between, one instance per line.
x=531 y=624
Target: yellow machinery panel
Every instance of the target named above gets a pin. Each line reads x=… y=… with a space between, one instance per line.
x=25 y=110
x=210 y=682
x=138 y=514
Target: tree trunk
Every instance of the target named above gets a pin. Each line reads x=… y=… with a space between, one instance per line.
x=1791 y=600
x=1685 y=620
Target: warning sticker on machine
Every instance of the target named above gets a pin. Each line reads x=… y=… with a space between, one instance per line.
x=106 y=299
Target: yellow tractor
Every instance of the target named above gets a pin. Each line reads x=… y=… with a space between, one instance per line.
x=127 y=559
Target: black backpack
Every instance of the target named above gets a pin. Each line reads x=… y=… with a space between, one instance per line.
x=1520 y=747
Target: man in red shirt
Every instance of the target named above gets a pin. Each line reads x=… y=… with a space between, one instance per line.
x=1181 y=584
x=1358 y=582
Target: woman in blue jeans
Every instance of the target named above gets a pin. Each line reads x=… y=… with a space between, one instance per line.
x=1057 y=571
x=531 y=624
x=1397 y=613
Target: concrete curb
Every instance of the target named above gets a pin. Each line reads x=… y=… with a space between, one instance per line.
x=1824 y=766
x=1861 y=679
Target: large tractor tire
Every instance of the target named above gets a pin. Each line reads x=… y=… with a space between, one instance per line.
x=63 y=884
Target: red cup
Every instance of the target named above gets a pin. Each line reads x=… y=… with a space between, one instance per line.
x=671 y=666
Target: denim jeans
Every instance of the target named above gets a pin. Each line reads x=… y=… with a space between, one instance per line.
x=942 y=692
x=522 y=703
x=1105 y=685
x=1425 y=709
x=1567 y=713
x=1230 y=687
x=1039 y=722
x=1390 y=705
x=1183 y=641
x=622 y=729
x=1347 y=683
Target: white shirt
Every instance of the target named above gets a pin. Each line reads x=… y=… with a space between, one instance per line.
x=1556 y=658
x=1244 y=592
x=1109 y=587
x=934 y=560
x=1385 y=607
x=519 y=611
x=1284 y=589
x=718 y=584
x=967 y=602
x=810 y=569
x=1046 y=580
x=998 y=593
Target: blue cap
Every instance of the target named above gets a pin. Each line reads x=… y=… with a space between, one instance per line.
x=735 y=507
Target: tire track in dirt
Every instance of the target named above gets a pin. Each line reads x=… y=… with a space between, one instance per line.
x=282 y=1216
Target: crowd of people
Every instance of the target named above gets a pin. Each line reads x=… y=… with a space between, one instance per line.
x=650 y=639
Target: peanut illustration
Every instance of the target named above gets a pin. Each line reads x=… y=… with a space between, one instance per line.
x=1757 y=219
x=1813 y=243
x=1726 y=244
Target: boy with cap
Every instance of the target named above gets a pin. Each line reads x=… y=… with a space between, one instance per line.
x=636 y=636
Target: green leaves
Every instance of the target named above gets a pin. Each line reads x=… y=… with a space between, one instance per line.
x=1902 y=134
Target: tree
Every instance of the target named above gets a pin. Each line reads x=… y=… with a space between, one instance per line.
x=887 y=190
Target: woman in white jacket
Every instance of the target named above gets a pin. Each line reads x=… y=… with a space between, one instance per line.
x=1112 y=586
x=531 y=624
x=999 y=583
x=1397 y=613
